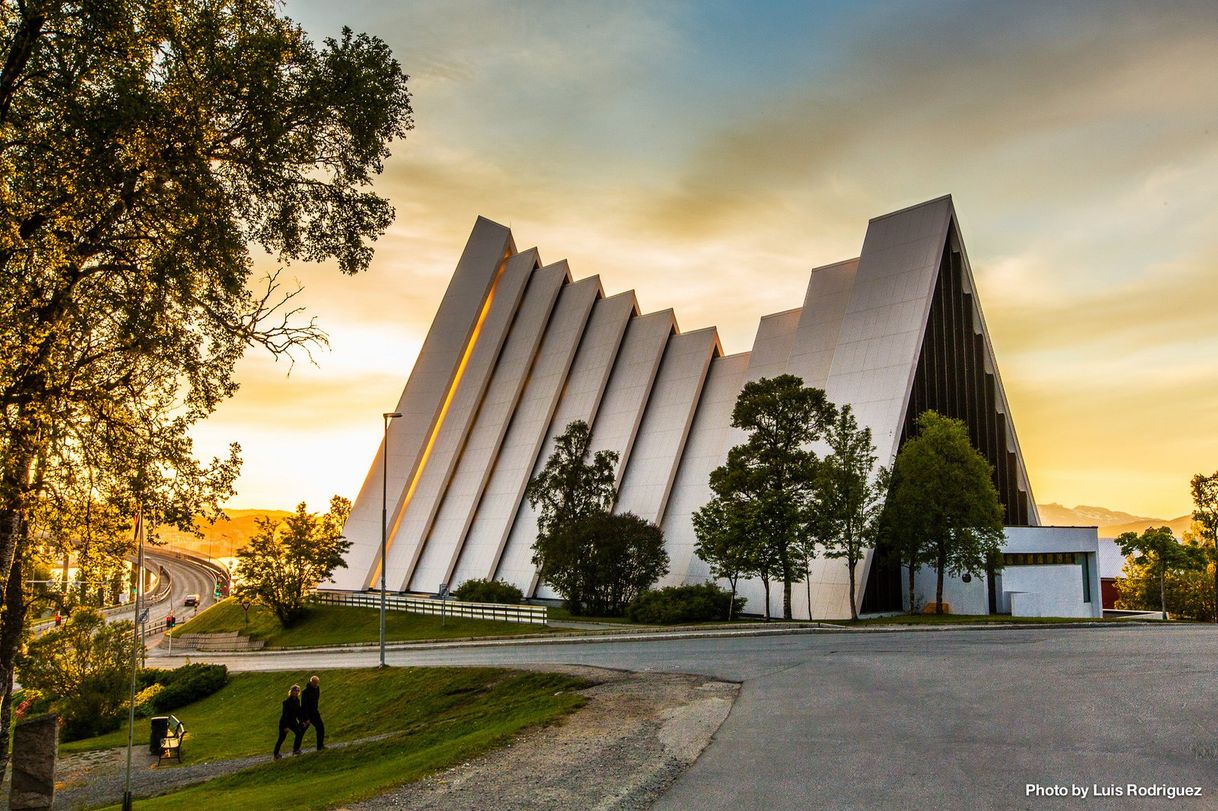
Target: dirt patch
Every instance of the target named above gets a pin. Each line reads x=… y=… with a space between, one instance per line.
x=635 y=736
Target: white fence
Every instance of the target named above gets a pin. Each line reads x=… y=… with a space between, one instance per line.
x=527 y=614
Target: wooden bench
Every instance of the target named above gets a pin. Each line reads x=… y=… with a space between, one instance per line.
x=171 y=744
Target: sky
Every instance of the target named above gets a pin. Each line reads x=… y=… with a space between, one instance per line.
x=708 y=155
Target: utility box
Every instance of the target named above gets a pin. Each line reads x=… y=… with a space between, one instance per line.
x=160 y=726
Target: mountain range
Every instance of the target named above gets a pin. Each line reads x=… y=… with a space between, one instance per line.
x=1111 y=523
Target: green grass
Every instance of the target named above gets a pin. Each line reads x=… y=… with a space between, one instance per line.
x=438 y=717
x=336 y=625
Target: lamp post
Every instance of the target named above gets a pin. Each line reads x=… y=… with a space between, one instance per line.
x=384 y=517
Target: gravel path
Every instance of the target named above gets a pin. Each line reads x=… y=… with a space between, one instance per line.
x=636 y=734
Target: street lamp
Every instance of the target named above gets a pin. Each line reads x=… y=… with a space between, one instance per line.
x=384 y=517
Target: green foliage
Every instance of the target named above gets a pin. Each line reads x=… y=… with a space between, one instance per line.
x=1205 y=518
x=436 y=718
x=602 y=562
x=489 y=591
x=189 y=683
x=84 y=667
x=1158 y=551
x=763 y=491
x=282 y=563
x=849 y=495
x=943 y=508
x=1186 y=593
x=569 y=489
x=677 y=604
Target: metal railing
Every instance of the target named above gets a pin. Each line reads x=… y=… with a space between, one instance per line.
x=526 y=614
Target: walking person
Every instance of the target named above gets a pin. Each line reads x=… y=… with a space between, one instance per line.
x=290 y=720
x=310 y=713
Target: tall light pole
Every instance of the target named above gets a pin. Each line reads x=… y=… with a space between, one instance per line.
x=384 y=518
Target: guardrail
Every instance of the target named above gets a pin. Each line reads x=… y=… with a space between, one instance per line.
x=526 y=614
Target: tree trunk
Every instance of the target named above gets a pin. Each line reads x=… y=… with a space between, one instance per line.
x=12 y=624
x=808 y=583
x=1163 y=590
x=786 y=590
x=941 y=563
x=732 y=604
x=854 y=611
x=911 y=587
x=766 y=581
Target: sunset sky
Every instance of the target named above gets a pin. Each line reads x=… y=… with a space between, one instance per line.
x=710 y=154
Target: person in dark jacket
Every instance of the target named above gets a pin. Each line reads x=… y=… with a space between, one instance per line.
x=290 y=720
x=310 y=713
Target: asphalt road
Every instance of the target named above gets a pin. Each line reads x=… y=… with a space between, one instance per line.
x=918 y=719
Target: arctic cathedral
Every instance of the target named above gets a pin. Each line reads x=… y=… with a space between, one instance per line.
x=519 y=349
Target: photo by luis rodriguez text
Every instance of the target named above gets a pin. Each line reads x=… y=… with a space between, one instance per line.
x=1162 y=790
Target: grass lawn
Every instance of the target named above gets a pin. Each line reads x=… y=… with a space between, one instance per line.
x=436 y=717
x=334 y=625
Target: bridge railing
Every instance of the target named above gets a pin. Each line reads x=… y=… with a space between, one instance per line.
x=527 y=614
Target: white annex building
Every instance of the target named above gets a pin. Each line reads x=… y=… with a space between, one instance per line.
x=519 y=349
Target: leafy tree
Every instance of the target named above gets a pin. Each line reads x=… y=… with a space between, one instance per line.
x=724 y=543
x=145 y=147
x=943 y=508
x=1205 y=517
x=767 y=481
x=1188 y=592
x=283 y=562
x=1157 y=549
x=602 y=562
x=849 y=495
x=85 y=668
x=569 y=489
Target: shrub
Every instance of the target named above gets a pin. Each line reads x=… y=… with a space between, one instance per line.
x=675 y=604
x=188 y=684
x=145 y=700
x=489 y=591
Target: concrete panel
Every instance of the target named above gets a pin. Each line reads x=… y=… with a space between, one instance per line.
x=661 y=438
x=586 y=382
x=513 y=465
x=616 y=425
x=581 y=397
x=820 y=322
x=414 y=534
x=481 y=263
x=705 y=450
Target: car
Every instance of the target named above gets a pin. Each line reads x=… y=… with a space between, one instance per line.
x=191 y=599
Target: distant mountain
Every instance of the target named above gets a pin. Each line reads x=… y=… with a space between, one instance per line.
x=1111 y=523
x=223 y=538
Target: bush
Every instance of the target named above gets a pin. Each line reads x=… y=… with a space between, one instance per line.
x=489 y=591
x=145 y=700
x=188 y=684
x=676 y=604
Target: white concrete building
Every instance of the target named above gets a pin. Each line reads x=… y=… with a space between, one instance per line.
x=1047 y=572
x=519 y=349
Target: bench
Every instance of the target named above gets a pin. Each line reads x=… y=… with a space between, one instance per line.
x=171 y=744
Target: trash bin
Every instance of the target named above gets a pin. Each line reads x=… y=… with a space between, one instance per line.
x=160 y=725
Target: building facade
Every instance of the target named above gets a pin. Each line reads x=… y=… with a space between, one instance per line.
x=520 y=348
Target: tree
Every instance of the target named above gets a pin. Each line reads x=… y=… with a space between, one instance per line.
x=1205 y=516
x=767 y=480
x=283 y=562
x=943 y=508
x=600 y=563
x=145 y=148
x=85 y=668
x=1187 y=592
x=724 y=543
x=849 y=495
x=569 y=489
x=1158 y=550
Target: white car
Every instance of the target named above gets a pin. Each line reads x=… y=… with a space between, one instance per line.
x=191 y=599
